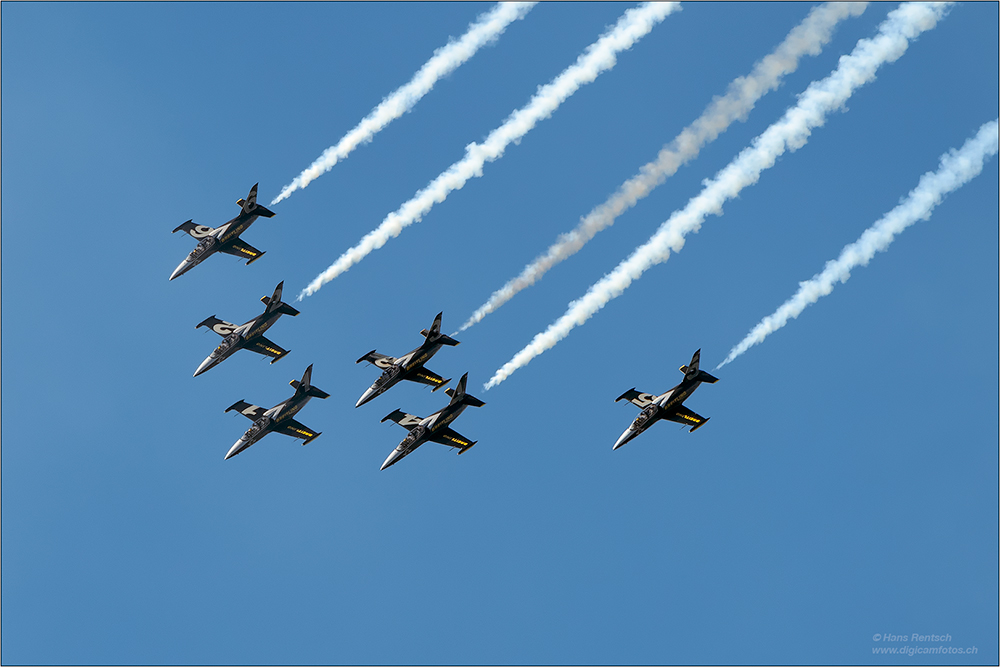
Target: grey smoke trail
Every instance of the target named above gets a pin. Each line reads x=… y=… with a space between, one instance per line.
x=957 y=168
x=807 y=38
x=598 y=57
x=487 y=28
x=789 y=133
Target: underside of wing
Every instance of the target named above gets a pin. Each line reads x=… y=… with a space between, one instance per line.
x=262 y=345
x=684 y=416
x=424 y=376
x=248 y=410
x=380 y=360
x=409 y=422
x=196 y=231
x=637 y=397
x=453 y=439
x=241 y=248
x=298 y=430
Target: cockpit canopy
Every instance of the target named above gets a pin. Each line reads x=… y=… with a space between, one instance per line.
x=256 y=428
x=413 y=435
x=388 y=374
x=203 y=245
x=226 y=343
x=644 y=416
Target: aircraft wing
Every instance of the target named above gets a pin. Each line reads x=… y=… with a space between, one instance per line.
x=409 y=422
x=424 y=376
x=380 y=360
x=197 y=231
x=684 y=416
x=262 y=345
x=297 y=430
x=241 y=248
x=637 y=397
x=249 y=411
x=453 y=439
x=221 y=327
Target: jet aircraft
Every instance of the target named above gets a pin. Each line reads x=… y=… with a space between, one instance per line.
x=247 y=336
x=279 y=418
x=410 y=366
x=226 y=238
x=434 y=428
x=669 y=405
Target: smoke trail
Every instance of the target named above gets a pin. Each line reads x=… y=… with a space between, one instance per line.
x=807 y=38
x=790 y=132
x=599 y=57
x=957 y=168
x=487 y=28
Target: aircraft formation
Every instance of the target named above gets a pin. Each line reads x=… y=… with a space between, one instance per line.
x=410 y=366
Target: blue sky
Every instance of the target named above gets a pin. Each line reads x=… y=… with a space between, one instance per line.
x=845 y=487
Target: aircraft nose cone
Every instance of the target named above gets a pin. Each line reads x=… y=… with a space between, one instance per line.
x=205 y=365
x=365 y=397
x=181 y=268
x=235 y=449
x=392 y=458
x=623 y=438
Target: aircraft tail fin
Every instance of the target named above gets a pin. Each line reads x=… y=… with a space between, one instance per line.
x=304 y=385
x=435 y=335
x=691 y=370
x=275 y=304
x=458 y=394
x=250 y=205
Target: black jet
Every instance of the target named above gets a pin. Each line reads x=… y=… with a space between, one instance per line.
x=225 y=238
x=410 y=366
x=249 y=336
x=434 y=428
x=279 y=418
x=669 y=405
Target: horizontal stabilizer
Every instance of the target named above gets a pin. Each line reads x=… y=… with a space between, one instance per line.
x=275 y=304
x=705 y=377
x=467 y=399
x=317 y=393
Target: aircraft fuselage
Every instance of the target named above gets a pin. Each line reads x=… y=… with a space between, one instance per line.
x=660 y=407
x=215 y=241
x=424 y=431
x=271 y=420
x=401 y=369
x=240 y=337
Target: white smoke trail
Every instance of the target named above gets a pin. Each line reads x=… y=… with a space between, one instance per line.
x=790 y=132
x=599 y=57
x=487 y=28
x=957 y=168
x=807 y=38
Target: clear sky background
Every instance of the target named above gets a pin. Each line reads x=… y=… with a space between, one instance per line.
x=845 y=487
